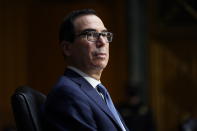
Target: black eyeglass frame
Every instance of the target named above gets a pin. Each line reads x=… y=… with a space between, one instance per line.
x=96 y=35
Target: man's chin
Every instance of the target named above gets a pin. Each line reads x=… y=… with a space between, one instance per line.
x=100 y=66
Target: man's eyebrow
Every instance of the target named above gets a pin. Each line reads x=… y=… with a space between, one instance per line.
x=105 y=30
x=87 y=30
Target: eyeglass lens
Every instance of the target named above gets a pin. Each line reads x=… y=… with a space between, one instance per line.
x=94 y=36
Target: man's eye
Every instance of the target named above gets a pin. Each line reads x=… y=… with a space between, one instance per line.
x=95 y=34
x=104 y=34
x=89 y=34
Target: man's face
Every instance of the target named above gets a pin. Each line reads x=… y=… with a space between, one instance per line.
x=87 y=55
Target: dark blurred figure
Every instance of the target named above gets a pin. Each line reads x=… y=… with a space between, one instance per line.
x=189 y=124
x=136 y=114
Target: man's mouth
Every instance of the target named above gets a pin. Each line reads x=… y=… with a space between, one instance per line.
x=100 y=55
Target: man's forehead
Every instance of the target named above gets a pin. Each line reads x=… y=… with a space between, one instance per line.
x=89 y=22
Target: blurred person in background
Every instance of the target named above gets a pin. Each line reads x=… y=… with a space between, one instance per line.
x=188 y=123
x=136 y=114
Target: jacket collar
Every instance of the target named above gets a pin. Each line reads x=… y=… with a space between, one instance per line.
x=90 y=92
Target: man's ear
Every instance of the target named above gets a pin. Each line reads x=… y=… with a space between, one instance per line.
x=66 y=48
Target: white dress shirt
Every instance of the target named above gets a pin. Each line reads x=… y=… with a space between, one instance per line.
x=93 y=82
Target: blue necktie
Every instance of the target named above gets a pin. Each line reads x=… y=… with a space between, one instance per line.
x=109 y=103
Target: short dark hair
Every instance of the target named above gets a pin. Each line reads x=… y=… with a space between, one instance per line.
x=67 y=31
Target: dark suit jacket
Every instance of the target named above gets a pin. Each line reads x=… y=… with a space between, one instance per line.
x=74 y=105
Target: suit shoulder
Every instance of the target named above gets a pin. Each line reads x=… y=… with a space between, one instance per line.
x=65 y=81
x=65 y=84
x=66 y=87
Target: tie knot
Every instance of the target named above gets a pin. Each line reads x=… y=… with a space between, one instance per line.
x=102 y=89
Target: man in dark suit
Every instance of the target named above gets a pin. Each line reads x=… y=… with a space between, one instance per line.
x=78 y=101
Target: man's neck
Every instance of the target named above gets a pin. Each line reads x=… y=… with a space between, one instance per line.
x=96 y=74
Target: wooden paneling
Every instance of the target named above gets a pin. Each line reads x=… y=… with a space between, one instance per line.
x=172 y=64
x=173 y=81
x=13 y=67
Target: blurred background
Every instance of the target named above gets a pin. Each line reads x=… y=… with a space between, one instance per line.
x=153 y=54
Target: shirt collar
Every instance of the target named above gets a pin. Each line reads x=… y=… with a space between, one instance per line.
x=93 y=82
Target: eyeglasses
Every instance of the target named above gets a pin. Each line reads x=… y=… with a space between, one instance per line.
x=93 y=36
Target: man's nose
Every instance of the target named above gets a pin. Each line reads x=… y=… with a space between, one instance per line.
x=101 y=41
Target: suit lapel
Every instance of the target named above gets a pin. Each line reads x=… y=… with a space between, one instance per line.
x=125 y=126
x=90 y=92
x=94 y=96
